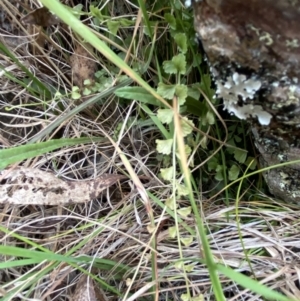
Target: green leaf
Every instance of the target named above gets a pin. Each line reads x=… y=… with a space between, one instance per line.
x=206 y=87
x=113 y=26
x=87 y=82
x=197 y=60
x=210 y=117
x=96 y=12
x=203 y=142
x=186 y=127
x=181 y=92
x=178 y=4
x=75 y=94
x=185 y=297
x=125 y=22
x=170 y=203
x=136 y=93
x=77 y=10
x=195 y=107
x=189 y=268
x=233 y=172
x=252 y=162
x=237 y=138
x=164 y=146
x=230 y=143
x=165 y=115
x=187 y=150
x=182 y=190
x=86 y=92
x=100 y=73
x=219 y=173
x=171 y=20
x=169 y=67
x=166 y=91
x=172 y=232
x=19 y=153
x=185 y=211
x=176 y=65
x=178 y=265
x=193 y=91
x=167 y=173
x=180 y=39
x=240 y=155
x=212 y=163
x=187 y=240
x=180 y=63
x=148 y=30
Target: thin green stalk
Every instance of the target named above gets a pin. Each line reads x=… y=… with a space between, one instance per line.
x=211 y=265
x=145 y=15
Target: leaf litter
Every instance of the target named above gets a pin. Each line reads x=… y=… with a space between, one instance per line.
x=83 y=66
x=85 y=290
x=41 y=17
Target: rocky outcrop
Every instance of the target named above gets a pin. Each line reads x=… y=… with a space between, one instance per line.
x=253 y=48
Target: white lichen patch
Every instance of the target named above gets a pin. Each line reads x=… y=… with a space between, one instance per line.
x=255 y=29
x=284 y=182
x=249 y=110
x=263 y=36
x=266 y=38
x=239 y=86
x=281 y=157
x=294 y=43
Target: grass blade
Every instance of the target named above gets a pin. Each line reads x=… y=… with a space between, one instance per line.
x=19 y=153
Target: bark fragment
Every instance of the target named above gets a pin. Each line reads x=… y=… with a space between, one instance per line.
x=25 y=186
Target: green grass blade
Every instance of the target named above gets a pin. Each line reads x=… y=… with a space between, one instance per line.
x=24 y=69
x=137 y=93
x=251 y=284
x=145 y=16
x=19 y=153
x=37 y=255
x=18 y=263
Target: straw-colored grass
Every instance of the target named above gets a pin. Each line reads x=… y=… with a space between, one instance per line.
x=139 y=240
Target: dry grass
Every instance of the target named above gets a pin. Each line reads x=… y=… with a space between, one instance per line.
x=257 y=238
x=266 y=246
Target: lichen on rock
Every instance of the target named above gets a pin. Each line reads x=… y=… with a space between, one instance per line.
x=236 y=87
x=253 y=50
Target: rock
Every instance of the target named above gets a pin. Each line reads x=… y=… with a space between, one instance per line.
x=253 y=48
